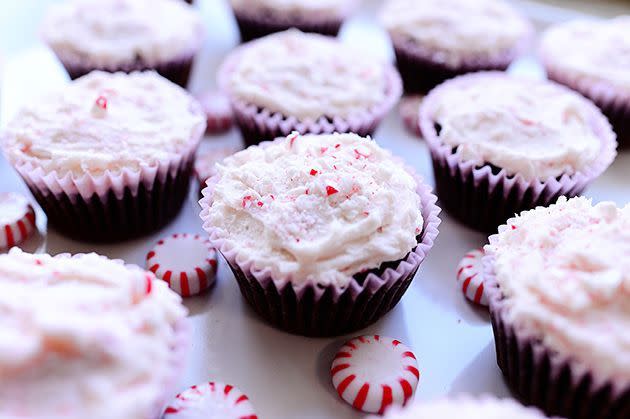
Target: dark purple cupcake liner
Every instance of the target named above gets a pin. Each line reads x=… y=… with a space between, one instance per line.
x=544 y=378
x=314 y=310
x=256 y=25
x=485 y=197
x=258 y=124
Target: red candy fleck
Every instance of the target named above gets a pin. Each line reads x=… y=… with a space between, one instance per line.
x=323 y=149
x=246 y=199
x=330 y=190
x=337 y=145
x=358 y=154
x=272 y=197
x=292 y=138
x=260 y=204
x=513 y=227
x=307 y=192
x=366 y=213
x=314 y=172
x=101 y=102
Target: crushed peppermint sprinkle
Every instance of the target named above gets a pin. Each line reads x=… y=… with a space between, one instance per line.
x=260 y=204
x=101 y=102
x=314 y=172
x=323 y=149
x=331 y=190
x=247 y=200
x=292 y=138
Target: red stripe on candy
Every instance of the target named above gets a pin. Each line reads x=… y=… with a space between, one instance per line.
x=352 y=345
x=241 y=399
x=344 y=384
x=9 y=233
x=409 y=354
x=343 y=355
x=183 y=279
x=171 y=409
x=467 y=282
x=413 y=370
x=30 y=216
x=338 y=368
x=377 y=338
x=22 y=229
x=154 y=268
x=203 y=280
x=361 y=339
x=249 y=417
x=227 y=389
x=359 y=401
x=407 y=391
x=459 y=271
x=167 y=277
x=395 y=342
x=150 y=254
x=387 y=400
x=479 y=293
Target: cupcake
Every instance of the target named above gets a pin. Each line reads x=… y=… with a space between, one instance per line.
x=497 y=151
x=485 y=407
x=593 y=58
x=108 y=156
x=558 y=282
x=259 y=18
x=435 y=40
x=324 y=233
x=125 y=35
x=292 y=81
x=86 y=337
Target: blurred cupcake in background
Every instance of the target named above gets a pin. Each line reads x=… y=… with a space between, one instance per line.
x=257 y=18
x=435 y=40
x=593 y=58
x=110 y=155
x=309 y=83
x=125 y=35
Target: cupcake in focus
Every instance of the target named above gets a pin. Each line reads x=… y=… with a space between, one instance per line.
x=108 y=156
x=86 y=337
x=593 y=58
x=125 y=35
x=435 y=40
x=259 y=18
x=502 y=144
x=324 y=233
x=558 y=282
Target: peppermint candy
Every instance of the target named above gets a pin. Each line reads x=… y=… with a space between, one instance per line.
x=470 y=277
x=211 y=401
x=17 y=220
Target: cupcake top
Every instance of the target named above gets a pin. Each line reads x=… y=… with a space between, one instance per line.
x=309 y=9
x=105 y=122
x=111 y=33
x=456 y=29
x=565 y=273
x=316 y=208
x=595 y=50
x=307 y=76
x=83 y=337
x=465 y=407
x=498 y=119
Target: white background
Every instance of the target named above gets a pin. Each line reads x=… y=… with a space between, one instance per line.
x=287 y=376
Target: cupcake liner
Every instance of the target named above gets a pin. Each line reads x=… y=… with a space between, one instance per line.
x=539 y=376
x=113 y=206
x=614 y=103
x=422 y=69
x=253 y=25
x=315 y=310
x=485 y=197
x=258 y=124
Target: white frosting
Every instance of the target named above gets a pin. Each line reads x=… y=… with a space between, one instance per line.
x=464 y=407
x=565 y=271
x=81 y=338
x=307 y=76
x=111 y=33
x=307 y=9
x=597 y=50
x=456 y=29
x=498 y=119
x=317 y=208
x=104 y=122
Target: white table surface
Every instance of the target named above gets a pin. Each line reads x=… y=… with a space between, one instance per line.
x=287 y=376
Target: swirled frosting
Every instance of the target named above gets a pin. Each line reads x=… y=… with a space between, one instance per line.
x=596 y=50
x=456 y=29
x=308 y=9
x=464 y=407
x=307 y=76
x=105 y=122
x=498 y=119
x=111 y=33
x=83 y=337
x=316 y=208
x=565 y=272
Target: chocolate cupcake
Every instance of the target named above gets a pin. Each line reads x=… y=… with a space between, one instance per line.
x=435 y=40
x=109 y=156
x=87 y=337
x=502 y=144
x=125 y=35
x=324 y=233
x=558 y=281
x=259 y=18
x=592 y=58
x=309 y=83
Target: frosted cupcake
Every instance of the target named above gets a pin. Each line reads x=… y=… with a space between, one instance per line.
x=86 y=337
x=593 y=58
x=292 y=81
x=108 y=156
x=502 y=144
x=485 y=407
x=125 y=35
x=558 y=281
x=435 y=40
x=323 y=233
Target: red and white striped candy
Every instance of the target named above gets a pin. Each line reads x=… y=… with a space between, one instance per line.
x=374 y=372
x=409 y=109
x=211 y=401
x=470 y=277
x=17 y=219
x=218 y=110
x=205 y=163
x=185 y=261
